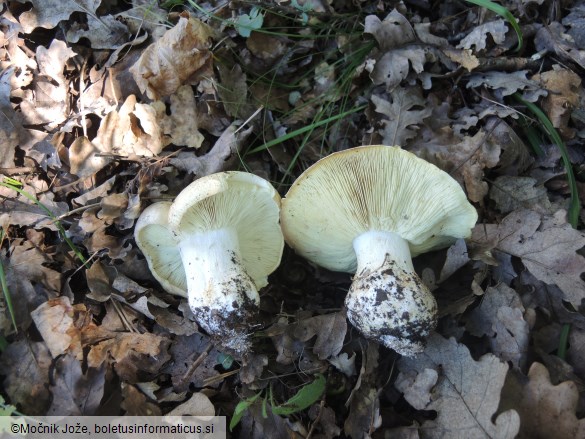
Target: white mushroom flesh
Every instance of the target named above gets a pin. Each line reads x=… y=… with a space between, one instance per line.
x=387 y=301
x=219 y=288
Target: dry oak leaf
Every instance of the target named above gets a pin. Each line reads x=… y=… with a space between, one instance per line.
x=48 y=13
x=395 y=59
x=9 y=133
x=466 y=395
x=75 y=391
x=132 y=131
x=477 y=37
x=182 y=124
x=129 y=352
x=466 y=160
x=403 y=112
x=175 y=59
x=26 y=365
x=49 y=103
x=564 y=87
x=546 y=245
x=55 y=321
x=548 y=411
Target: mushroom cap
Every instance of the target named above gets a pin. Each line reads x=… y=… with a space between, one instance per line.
x=239 y=200
x=372 y=188
x=159 y=246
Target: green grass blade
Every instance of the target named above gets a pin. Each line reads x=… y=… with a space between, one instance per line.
x=504 y=13
x=5 y=290
x=303 y=130
x=575 y=205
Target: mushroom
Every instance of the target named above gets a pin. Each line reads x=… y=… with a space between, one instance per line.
x=216 y=244
x=369 y=210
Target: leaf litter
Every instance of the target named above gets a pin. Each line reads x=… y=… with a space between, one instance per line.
x=110 y=106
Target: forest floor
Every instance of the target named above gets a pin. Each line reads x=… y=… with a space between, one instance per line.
x=109 y=106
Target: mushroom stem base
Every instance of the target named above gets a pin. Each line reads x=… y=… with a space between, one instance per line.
x=387 y=301
x=222 y=296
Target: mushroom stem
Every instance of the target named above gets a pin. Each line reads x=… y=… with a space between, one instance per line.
x=387 y=301
x=222 y=296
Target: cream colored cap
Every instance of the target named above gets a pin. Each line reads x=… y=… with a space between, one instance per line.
x=238 y=200
x=372 y=188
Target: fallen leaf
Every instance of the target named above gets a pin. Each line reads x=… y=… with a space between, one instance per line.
x=503 y=83
x=395 y=60
x=26 y=366
x=198 y=405
x=563 y=97
x=104 y=32
x=135 y=403
x=129 y=353
x=55 y=322
x=9 y=134
x=546 y=245
x=175 y=59
x=403 y=111
x=330 y=330
x=49 y=103
x=512 y=192
x=220 y=158
x=467 y=392
x=131 y=131
x=364 y=403
x=478 y=36
x=553 y=38
x=48 y=13
x=546 y=410
x=182 y=124
x=75 y=392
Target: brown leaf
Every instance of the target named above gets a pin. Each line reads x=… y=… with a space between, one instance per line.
x=221 y=156
x=547 y=246
x=175 y=59
x=198 y=405
x=55 y=320
x=49 y=104
x=395 y=60
x=467 y=392
x=564 y=87
x=26 y=367
x=548 y=411
x=130 y=353
x=511 y=192
x=9 y=134
x=330 y=330
x=182 y=124
x=104 y=32
x=135 y=403
x=402 y=112
x=131 y=131
x=75 y=393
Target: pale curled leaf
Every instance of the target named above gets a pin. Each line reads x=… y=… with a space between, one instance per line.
x=174 y=59
x=466 y=395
